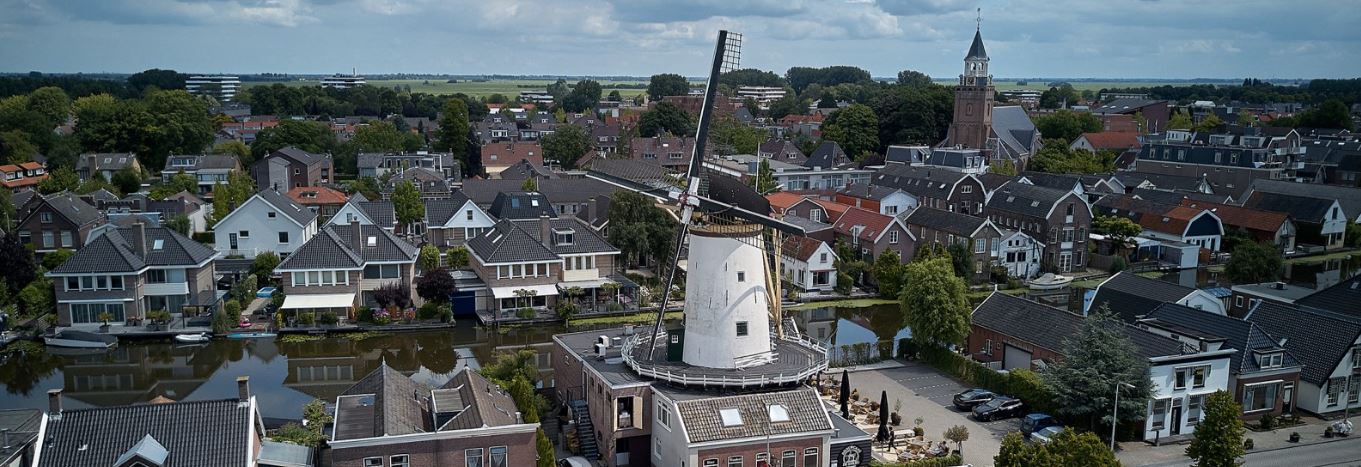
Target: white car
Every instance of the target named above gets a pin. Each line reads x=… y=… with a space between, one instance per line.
x=1046 y=435
x=574 y=461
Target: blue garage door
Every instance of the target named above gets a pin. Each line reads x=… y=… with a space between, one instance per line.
x=464 y=303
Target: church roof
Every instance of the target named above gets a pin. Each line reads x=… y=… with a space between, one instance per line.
x=976 y=50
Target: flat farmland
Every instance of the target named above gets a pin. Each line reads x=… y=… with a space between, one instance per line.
x=1040 y=85
x=509 y=88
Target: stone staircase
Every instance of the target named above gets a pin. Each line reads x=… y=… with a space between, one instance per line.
x=585 y=430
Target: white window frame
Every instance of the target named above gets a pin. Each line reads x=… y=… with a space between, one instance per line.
x=399 y=460
x=373 y=462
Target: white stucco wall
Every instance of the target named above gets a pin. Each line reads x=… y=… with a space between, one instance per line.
x=1163 y=376
x=253 y=216
x=716 y=300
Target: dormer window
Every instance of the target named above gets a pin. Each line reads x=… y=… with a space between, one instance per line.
x=563 y=236
x=1270 y=360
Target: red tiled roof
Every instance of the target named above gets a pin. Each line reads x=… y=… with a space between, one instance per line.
x=801 y=247
x=1238 y=216
x=797 y=119
x=834 y=209
x=1174 y=221
x=872 y=222
x=316 y=196
x=508 y=154
x=782 y=200
x=1120 y=140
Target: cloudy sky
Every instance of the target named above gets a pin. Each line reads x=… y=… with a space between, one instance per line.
x=1025 y=38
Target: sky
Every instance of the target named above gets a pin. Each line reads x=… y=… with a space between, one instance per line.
x=1126 y=39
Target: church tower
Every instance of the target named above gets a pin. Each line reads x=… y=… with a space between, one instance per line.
x=972 y=124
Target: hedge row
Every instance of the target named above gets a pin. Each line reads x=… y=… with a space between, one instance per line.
x=948 y=461
x=1019 y=383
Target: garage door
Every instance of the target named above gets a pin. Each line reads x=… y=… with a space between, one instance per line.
x=1015 y=357
x=465 y=303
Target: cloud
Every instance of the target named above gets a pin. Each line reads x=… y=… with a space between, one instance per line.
x=286 y=13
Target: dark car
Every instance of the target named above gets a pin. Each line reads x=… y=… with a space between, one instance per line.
x=1035 y=422
x=969 y=399
x=998 y=408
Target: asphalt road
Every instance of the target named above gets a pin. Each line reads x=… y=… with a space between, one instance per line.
x=1346 y=452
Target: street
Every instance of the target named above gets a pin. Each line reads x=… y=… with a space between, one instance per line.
x=1344 y=452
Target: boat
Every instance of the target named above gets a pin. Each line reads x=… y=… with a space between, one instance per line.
x=81 y=340
x=199 y=338
x=1050 y=281
x=250 y=335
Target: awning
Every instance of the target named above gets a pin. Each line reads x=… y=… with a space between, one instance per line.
x=305 y=301
x=509 y=292
x=586 y=284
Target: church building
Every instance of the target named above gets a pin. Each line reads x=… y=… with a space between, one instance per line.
x=1001 y=133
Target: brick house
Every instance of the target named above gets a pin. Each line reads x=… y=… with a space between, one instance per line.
x=791 y=427
x=872 y=234
x=22 y=176
x=1059 y=219
x=291 y=167
x=936 y=227
x=509 y=259
x=935 y=187
x=388 y=420
x=58 y=220
x=667 y=151
x=885 y=200
x=341 y=267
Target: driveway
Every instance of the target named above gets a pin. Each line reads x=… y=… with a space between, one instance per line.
x=927 y=393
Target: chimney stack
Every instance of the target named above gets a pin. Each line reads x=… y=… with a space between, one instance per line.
x=358 y=232
x=243 y=389
x=54 y=401
x=545 y=231
x=139 y=238
x=590 y=210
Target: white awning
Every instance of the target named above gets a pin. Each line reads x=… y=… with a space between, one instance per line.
x=586 y=284
x=509 y=292
x=306 y=301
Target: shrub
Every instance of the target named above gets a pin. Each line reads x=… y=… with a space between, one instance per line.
x=947 y=461
x=329 y=318
x=1267 y=422
x=614 y=306
x=232 y=308
x=1118 y=265
x=364 y=314
x=158 y=316
x=382 y=317
x=307 y=318
x=525 y=313
x=446 y=313
x=430 y=310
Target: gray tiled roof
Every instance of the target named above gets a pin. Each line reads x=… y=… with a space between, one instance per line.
x=345 y=246
x=827 y=155
x=1342 y=298
x=1349 y=198
x=644 y=172
x=1064 y=182
x=1131 y=296
x=438 y=211
x=1243 y=336
x=381 y=212
x=22 y=425
x=202 y=162
x=1014 y=129
x=703 y=422
x=918 y=180
x=558 y=190
x=1049 y=327
x=866 y=191
x=487 y=405
x=196 y=434
x=324 y=251
x=1319 y=339
x=976 y=49
x=1027 y=200
x=113 y=251
x=518 y=205
x=298 y=213
x=396 y=408
x=72 y=208
x=584 y=238
x=506 y=242
x=1302 y=209
x=1160 y=181
x=301 y=156
x=992 y=181
x=945 y=221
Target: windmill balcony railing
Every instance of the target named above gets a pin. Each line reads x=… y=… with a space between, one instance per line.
x=707 y=377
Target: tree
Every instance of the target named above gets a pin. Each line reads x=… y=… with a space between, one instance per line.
x=567 y=144
x=156 y=78
x=16 y=148
x=407 y=204
x=384 y=137
x=179 y=223
x=912 y=115
x=51 y=103
x=1067 y=125
x=1056 y=157
x=530 y=184
x=916 y=79
x=1332 y=113
x=54 y=259
x=428 y=258
x=547 y=457
x=310 y=136
x=1218 y=440
x=751 y=77
x=787 y=105
x=263 y=266
x=456 y=257
x=59 y=180
x=436 y=285
x=129 y=181
x=934 y=303
x=1254 y=262
x=643 y=232
x=1118 y=228
x=1005 y=167
x=231 y=195
x=888 y=274
x=177 y=183
x=764 y=181
x=1096 y=359
x=38 y=297
x=667 y=84
x=1209 y=123
x=1067 y=449
x=855 y=128
x=961 y=260
x=957 y=434
x=665 y=117
x=585 y=95
x=509 y=365
x=454 y=130
x=17 y=265
x=315 y=417
x=729 y=136
x=1059 y=96
x=234 y=148
x=1179 y=121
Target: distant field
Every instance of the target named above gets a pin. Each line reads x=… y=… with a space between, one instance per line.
x=1079 y=85
x=509 y=88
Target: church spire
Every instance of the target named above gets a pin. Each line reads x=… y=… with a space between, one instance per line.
x=976 y=50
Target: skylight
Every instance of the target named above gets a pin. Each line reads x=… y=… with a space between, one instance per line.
x=778 y=413
x=373 y=241
x=731 y=417
x=157 y=244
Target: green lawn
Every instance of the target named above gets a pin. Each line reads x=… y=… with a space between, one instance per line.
x=510 y=88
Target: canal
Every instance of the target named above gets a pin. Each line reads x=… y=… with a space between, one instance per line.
x=285 y=375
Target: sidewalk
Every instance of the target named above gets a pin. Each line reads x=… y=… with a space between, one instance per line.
x=1311 y=432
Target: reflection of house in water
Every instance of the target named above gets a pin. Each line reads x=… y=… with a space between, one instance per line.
x=138 y=373
x=324 y=369
x=858 y=326
x=817 y=323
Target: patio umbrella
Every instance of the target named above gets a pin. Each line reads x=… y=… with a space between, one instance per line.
x=845 y=394
x=883 y=417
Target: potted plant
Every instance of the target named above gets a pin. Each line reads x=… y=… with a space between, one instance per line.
x=895 y=419
x=158 y=318
x=329 y=318
x=105 y=317
x=1294 y=436
x=1247 y=444
x=917 y=423
x=1328 y=432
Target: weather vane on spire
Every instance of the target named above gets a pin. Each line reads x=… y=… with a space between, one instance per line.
x=979 y=20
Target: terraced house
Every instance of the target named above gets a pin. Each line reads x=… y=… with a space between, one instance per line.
x=1058 y=219
x=52 y=222
x=129 y=271
x=342 y=267
x=529 y=263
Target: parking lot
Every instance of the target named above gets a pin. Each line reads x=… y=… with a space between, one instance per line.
x=934 y=386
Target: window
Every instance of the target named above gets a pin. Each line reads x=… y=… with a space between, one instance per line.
x=1335 y=389
x=243 y=234
x=89 y=312
x=563 y=237
x=1158 y=415
x=1193 y=409
x=155 y=276
x=810 y=456
x=283 y=237
x=980 y=245
x=272 y=215
x=623 y=409
x=1352 y=389
x=735 y=461
x=382 y=271
x=1238 y=301
x=823 y=258
x=663 y=415
x=48 y=239
x=373 y=462
x=778 y=413
x=498 y=456
x=468 y=214
x=710 y=462
x=893 y=237
x=741 y=328
x=966 y=189
x=45 y=217
x=741 y=276
x=1259 y=397
x=472 y=457
x=1198 y=376
x=815 y=215
x=1356 y=357
x=1271 y=360
x=401 y=460
x=787 y=457
x=67 y=241
x=1067 y=235
x=309 y=278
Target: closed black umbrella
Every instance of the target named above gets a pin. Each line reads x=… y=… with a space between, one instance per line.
x=845 y=394
x=883 y=417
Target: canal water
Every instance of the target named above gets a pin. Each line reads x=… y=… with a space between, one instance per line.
x=286 y=375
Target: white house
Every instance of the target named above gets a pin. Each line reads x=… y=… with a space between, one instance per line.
x=1181 y=383
x=1199 y=227
x=451 y=222
x=1326 y=340
x=1018 y=253
x=809 y=264
x=268 y=221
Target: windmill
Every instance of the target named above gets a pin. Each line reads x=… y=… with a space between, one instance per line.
x=732 y=292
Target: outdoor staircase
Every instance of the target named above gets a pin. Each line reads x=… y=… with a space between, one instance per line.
x=585 y=430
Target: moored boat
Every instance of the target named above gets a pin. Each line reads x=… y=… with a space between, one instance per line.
x=250 y=335
x=81 y=340
x=1050 y=281
x=192 y=338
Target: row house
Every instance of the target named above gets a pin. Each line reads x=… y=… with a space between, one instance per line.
x=106 y=164
x=1011 y=332
x=529 y=263
x=1229 y=162
x=1348 y=198
x=872 y=234
x=886 y=200
x=207 y=169
x=1059 y=219
x=341 y=267
x=22 y=176
x=290 y=167
x=935 y=187
x=1270 y=227
x=809 y=264
x=129 y=271
x=935 y=227
x=388 y=419
x=1319 y=221
x=59 y=220
x=268 y=221
x=1324 y=333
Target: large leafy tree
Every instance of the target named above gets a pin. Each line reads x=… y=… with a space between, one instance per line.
x=58 y=180
x=888 y=274
x=916 y=79
x=16 y=147
x=1056 y=157
x=1067 y=125
x=456 y=257
x=585 y=95
x=665 y=117
x=51 y=103
x=1332 y=113
x=231 y=195
x=934 y=303
x=1119 y=229
x=19 y=267
x=310 y=136
x=1096 y=359
x=1218 y=439
x=730 y=136
x=385 y=137
x=156 y=78
x=454 y=129
x=913 y=114
x=161 y=123
x=787 y=105
x=1253 y=262
x=667 y=84
x=639 y=228
x=566 y=145
x=406 y=203
x=428 y=258
x=855 y=128
x=1067 y=449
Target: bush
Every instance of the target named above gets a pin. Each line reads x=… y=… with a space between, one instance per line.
x=1267 y=422
x=430 y=310
x=614 y=306
x=232 y=309
x=307 y=318
x=1118 y=265
x=525 y=313
x=329 y=318
x=446 y=313
x=364 y=314
x=948 y=461
x=158 y=316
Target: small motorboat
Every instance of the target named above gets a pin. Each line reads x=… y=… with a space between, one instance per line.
x=199 y=338
x=81 y=340
x=250 y=335
x=1050 y=281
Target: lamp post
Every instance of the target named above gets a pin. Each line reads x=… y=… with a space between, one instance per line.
x=1115 y=410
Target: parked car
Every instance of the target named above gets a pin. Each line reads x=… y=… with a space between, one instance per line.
x=1035 y=421
x=998 y=408
x=575 y=461
x=967 y=400
x=1046 y=435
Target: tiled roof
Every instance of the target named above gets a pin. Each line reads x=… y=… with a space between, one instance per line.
x=1027 y=200
x=519 y=205
x=198 y=433
x=525 y=169
x=1238 y=216
x=1016 y=133
x=945 y=221
x=323 y=251
x=72 y=208
x=1049 y=327
x=1112 y=140
x=1173 y=221
x=827 y=155
x=506 y=242
x=1131 y=296
x=203 y=162
x=113 y=251
x=381 y=212
x=346 y=246
x=703 y=420
x=1343 y=298
x=782 y=200
x=918 y=180
x=808 y=225
x=395 y=407
x=1159 y=181
x=1348 y=197
x=558 y=190
x=1303 y=209
x=872 y=223
x=992 y=181
x=644 y=172
x=1318 y=339
x=316 y=196
x=22 y=426
x=486 y=404
x=299 y=214
x=1243 y=336
x=304 y=157
x=800 y=247
x=1065 y=182
x=833 y=208
x=866 y=191
x=505 y=154
x=438 y=211
x=976 y=50
x=1127 y=105
x=584 y=238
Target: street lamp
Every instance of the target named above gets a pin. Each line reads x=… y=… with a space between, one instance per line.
x=1115 y=410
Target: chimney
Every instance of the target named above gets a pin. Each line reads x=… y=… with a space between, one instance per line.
x=4 y=439
x=545 y=231
x=358 y=232
x=590 y=209
x=139 y=238
x=54 y=402
x=243 y=389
